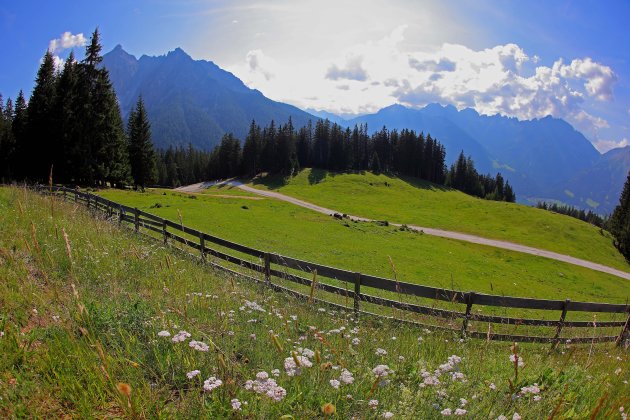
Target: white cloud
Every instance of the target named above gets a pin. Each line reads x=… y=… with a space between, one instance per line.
x=503 y=79
x=605 y=145
x=66 y=41
x=351 y=71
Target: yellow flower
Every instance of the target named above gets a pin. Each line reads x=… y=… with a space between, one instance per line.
x=124 y=389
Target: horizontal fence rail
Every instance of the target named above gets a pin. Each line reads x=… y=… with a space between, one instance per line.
x=354 y=282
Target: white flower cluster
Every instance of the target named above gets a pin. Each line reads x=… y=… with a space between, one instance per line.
x=253 y=306
x=192 y=374
x=164 y=333
x=199 y=345
x=517 y=359
x=382 y=371
x=294 y=369
x=267 y=386
x=381 y=352
x=180 y=336
x=211 y=383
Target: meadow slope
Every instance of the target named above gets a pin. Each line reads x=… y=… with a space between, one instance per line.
x=412 y=201
x=97 y=322
x=276 y=226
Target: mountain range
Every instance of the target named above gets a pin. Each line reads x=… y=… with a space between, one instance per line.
x=196 y=102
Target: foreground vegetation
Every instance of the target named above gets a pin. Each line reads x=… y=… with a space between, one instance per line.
x=290 y=230
x=95 y=323
x=412 y=201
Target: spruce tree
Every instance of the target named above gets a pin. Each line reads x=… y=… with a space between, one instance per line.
x=620 y=221
x=22 y=162
x=68 y=151
x=39 y=142
x=141 y=154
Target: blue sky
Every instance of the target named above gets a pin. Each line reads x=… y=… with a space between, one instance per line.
x=527 y=59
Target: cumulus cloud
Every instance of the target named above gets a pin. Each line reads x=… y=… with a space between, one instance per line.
x=66 y=41
x=605 y=145
x=351 y=71
x=504 y=79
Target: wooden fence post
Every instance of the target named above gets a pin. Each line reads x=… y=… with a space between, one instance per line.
x=164 y=232
x=136 y=219
x=624 y=331
x=357 y=294
x=88 y=201
x=468 y=298
x=267 y=267
x=202 y=244
x=120 y=214
x=556 y=338
x=76 y=196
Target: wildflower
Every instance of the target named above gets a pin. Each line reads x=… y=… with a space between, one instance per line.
x=617 y=371
x=335 y=383
x=192 y=374
x=387 y=415
x=164 y=333
x=381 y=352
x=401 y=358
x=532 y=389
x=460 y=412
x=492 y=386
x=275 y=372
x=373 y=404
x=211 y=383
x=262 y=376
x=346 y=377
x=230 y=333
x=252 y=336
x=199 y=346
x=328 y=409
x=501 y=417
x=180 y=336
x=446 y=412
x=517 y=359
x=393 y=338
x=463 y=401
x=355 y=341
x=537 y=398
x=236 y=404
x=292 y=365
x=382 y=371
x=307 y=352
x=516 y=416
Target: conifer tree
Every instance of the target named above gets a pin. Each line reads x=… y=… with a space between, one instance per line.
x=39 y=143
x=620 y=221
x=68 y=150
x=18 y=129
x=141 y=154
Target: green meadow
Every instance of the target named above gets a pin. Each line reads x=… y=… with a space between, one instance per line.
x=412 y=201
x=283 y=228
x=97 y=322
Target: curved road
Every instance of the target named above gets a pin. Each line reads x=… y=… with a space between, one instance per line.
x=429 y=231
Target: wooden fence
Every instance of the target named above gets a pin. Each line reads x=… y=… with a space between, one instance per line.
x=272 y=266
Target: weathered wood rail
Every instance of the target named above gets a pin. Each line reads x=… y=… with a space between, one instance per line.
x=272 y=265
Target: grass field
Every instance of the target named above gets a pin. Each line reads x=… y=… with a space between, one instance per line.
x=286 y=229
x=82 y=302
x=412 y=201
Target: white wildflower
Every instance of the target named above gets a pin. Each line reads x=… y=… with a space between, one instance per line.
x=381 y=352
x=335 y=383
x=181 y=336
x=373 y=404
x=192 y=374
x=446 y=412
x=236 y=404
x=164 y=333
x=460 y=412
x=211 y=383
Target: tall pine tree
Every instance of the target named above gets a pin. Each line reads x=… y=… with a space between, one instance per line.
x=141 y=154
x=39 y=142
x=620 y=221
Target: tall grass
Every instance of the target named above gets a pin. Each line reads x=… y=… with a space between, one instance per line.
x=98 y=322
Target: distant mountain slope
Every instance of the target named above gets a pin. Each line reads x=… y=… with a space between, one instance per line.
x=192 y=101
x=599 y=186
x=541 y=157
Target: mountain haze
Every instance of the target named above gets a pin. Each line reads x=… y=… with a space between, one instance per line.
x=191 y=101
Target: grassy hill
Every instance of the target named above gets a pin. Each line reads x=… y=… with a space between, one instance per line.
x=283 y=228
x=412 y=201
x=83 y=304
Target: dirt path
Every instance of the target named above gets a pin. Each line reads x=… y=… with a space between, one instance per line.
x=429 y=231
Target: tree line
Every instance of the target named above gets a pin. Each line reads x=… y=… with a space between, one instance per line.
x=586 y=216
x=72 y=128
x=281 y=149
